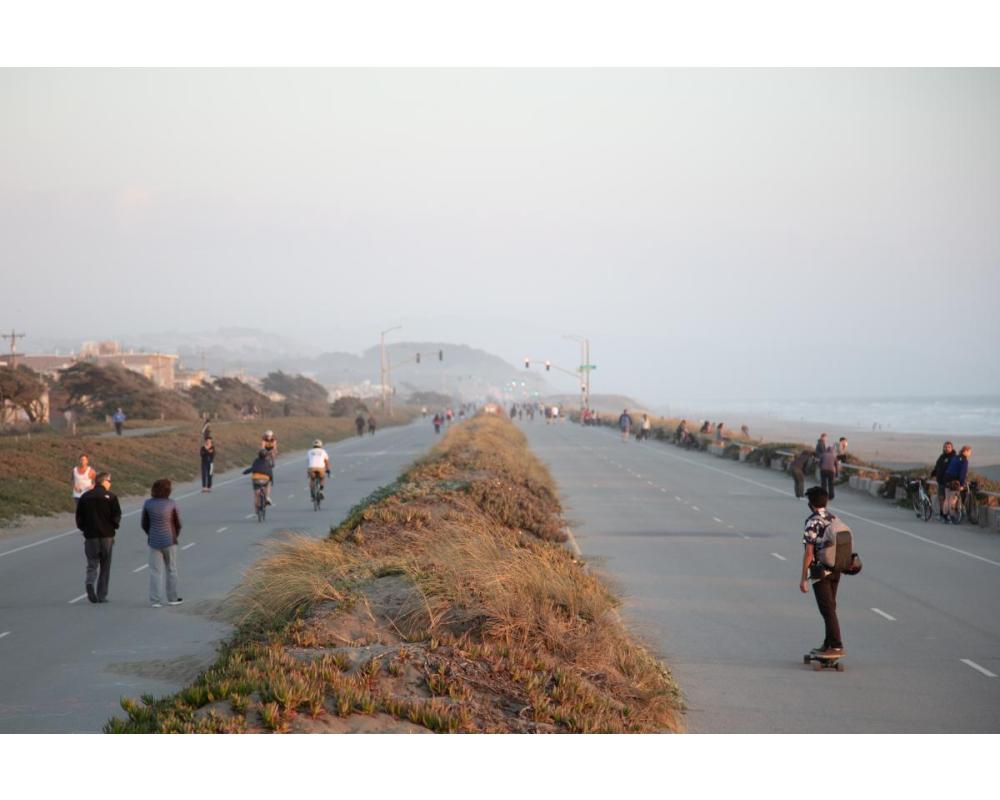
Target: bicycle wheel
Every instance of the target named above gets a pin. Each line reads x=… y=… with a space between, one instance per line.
x=918 y=504
x=973 y=508
x=928 y=509
x=955 y=511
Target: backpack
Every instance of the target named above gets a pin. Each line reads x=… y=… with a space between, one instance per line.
x=838 y=552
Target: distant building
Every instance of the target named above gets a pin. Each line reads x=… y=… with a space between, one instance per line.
x=189 y=378
x=160 y=368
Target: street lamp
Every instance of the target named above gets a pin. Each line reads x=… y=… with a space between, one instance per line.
x=384 y=364
x=585 y=368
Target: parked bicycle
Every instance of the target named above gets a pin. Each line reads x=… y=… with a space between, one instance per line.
x=922 y=505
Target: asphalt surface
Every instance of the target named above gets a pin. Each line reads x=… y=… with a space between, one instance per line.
x=707 y=553
x=65 y=663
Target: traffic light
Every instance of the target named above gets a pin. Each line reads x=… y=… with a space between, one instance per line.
x=440 y=355
x=527 y=363
x=548 y=366
x=418 y=358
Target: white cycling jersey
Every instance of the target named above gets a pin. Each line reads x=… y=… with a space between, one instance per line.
x=318 y=458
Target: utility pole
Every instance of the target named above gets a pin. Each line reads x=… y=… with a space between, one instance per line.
x=585 y=369
x=13 y=336
x=384 y=367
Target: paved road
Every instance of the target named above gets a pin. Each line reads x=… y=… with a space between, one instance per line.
x=708 y=553
x=65 y=663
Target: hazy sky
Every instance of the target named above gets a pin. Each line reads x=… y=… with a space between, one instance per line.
x=715 y=233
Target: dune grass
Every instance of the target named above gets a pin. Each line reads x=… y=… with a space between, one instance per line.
x=446 y=602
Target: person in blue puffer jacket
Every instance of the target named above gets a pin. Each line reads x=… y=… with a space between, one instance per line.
x=162 y=525
x=958 y=467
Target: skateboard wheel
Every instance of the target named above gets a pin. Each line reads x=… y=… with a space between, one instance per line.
x=839 y=667
x=817 y=666
x=806 y=659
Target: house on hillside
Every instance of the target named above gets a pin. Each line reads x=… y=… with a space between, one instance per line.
x=160 y=368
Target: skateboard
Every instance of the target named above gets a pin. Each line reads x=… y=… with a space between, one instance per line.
x=823 y=662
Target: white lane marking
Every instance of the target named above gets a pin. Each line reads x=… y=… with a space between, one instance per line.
x=140 y=569
x=291 y=497
x=978 y=668
x=881 y=613
x=718 y=520
x=678 y=499
x=839 y=511
x=663 y=490
x=77 y=599
x=779 y=556
x=5 y=633
x=695 y=508
x=250 y=516
x=744 y=536
x=731 y=527
x=190 y=544
x=650 y=483
x=223 y=528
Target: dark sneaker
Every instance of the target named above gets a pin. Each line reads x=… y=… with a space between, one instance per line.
x=176 y=602
x=91 y=594
x=102 y=599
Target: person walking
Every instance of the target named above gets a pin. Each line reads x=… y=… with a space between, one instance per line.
x=162 y=525
x=645 y=426
x=625 y=424
x=798 y=470
x=98 y=515
x=371 y=425
x=842 y=449
x=119 y=419
x=359 y=424
x=84 y=478
x=825 y=581
x=939 y=472
x=829 y=470
x=207 y=464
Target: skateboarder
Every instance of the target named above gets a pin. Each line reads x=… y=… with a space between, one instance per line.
x=825 y=581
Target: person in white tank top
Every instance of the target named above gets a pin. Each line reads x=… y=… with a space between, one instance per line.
x=83 y=477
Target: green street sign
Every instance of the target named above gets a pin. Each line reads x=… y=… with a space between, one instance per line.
x=587 y=367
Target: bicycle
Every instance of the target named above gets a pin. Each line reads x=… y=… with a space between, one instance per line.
x=954 y=503
x=316 y=489
x=260 y=499
x=922 y=505
x=972 y=502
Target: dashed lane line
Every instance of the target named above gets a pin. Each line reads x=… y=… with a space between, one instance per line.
x=975 y=666
x=77 y=599
x=5 y=633
x=188 y=545
x=840 y=511
x=678 y=499
x=140 y=569
x=779 y=556
x=223 y=528
x=718 y=520
x=881 y=613
x=249 y=516
x=695 y=508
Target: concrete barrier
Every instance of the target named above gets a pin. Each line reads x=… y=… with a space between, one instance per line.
x=745 y=451
x=716 y=449
x=874 y=486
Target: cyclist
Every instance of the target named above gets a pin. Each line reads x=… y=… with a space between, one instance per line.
x=269 y=442
x=938 y=473
x=956 y=476
x=261 y=474
x=319 y=465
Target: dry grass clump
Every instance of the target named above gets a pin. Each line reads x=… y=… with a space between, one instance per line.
x=430 y=607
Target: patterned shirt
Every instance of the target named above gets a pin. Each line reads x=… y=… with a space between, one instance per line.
x=816 y=524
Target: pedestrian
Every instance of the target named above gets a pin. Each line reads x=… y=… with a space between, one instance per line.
x=119 y=419
x=829 y=470
x=842 y=449
x=625 y=424
x=745 y=431
x=83 y=479
x=437 y=423
x=957 y=475
x=798 y=468
x=371 y=425
x=162 y=525
x=359 y=424
x=705 y=427
x=719 y=431
x=939 y=472
x=821 y=445
x=825 y=581
x=98 y=515
x=645 y=426
x=207 y=464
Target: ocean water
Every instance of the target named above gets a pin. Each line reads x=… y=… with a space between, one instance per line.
x=941 y=415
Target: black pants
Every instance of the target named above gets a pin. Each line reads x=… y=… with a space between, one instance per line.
x=800 y=482
x=826 y=477
x=206 y=474
x=98 y=552
x=826 y=598
x=118 y=428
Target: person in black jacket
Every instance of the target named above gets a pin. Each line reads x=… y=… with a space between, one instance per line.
x=207 y=459
x=98 y=516
x=939 y=472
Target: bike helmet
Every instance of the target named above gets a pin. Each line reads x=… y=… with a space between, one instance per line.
x=318 y=443
x=268 y=434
